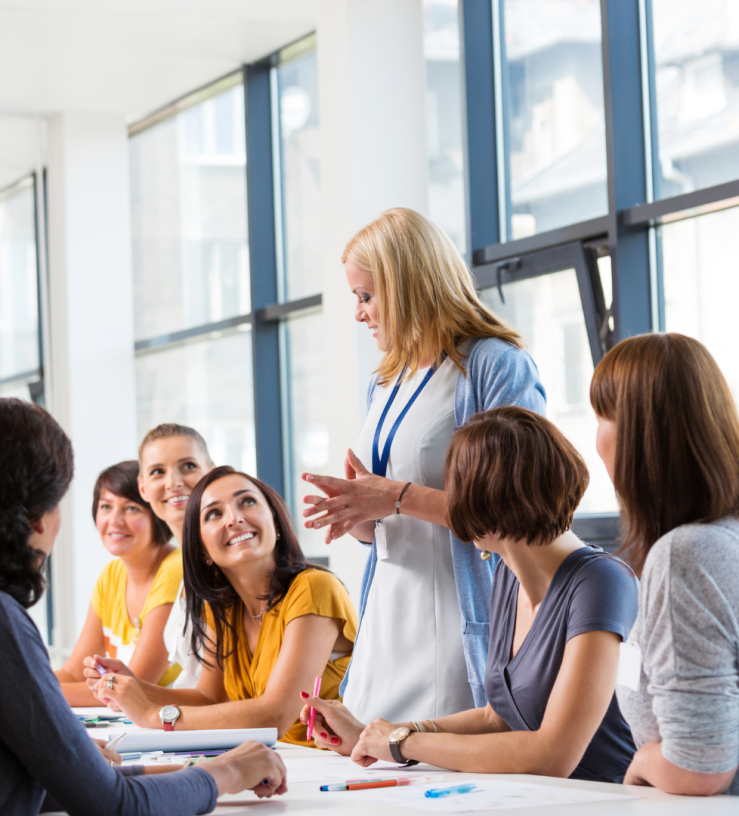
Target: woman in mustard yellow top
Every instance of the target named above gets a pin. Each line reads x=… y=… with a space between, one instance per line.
x=267 y=622
x=135 y=591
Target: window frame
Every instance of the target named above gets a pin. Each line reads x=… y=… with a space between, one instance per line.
x=628 y=229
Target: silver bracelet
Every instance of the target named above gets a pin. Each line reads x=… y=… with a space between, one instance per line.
x=436 y=730
x=419 y=726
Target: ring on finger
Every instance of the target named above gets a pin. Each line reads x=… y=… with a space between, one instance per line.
x=110 y=681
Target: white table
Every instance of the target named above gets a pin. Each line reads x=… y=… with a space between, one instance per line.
x=306 y=798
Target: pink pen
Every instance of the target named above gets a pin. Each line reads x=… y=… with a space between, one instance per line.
x=312 y=718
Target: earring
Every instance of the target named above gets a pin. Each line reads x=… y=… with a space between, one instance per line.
x=485 y=555
x=278 y=534
x=209 y=562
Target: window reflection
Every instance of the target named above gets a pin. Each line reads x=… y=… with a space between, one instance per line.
x=299 y=177
x=444 y=112
x=553 y=88
x=205 y=384
x=548 y=312
x=19 y=350
x=188 y=218
x=701 y=286
x=697 y=86
x=305 y=412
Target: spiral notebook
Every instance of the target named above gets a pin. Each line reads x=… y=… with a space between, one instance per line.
x=154 y=740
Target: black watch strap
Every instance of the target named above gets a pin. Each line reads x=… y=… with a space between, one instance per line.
x=399 y=758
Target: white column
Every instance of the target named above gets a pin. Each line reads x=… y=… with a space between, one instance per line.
x=91 y=316
x=373 y=156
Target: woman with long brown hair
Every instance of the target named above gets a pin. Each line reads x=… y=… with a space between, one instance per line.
x=264 y=620
x=668 y=434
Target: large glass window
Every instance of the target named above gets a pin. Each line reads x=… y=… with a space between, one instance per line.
x=548 y=312
x=191 y=271
x=188 y=193
x=19 y=304
x=444 y=118
x=298 y=176
x=696 y=56
x=702 y=287
x=553 y=117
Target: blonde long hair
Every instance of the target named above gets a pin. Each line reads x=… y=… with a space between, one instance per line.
x=426 y=295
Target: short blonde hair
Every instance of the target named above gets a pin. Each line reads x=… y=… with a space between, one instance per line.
x=426 y=295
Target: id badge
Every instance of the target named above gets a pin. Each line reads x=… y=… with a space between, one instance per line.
x=381 y=541
x=629 y=665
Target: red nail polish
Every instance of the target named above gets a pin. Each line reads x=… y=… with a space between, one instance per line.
x=304 y=695
x=335 y=740
x=324 y=735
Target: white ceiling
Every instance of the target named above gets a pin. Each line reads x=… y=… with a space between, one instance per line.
x=132 y=56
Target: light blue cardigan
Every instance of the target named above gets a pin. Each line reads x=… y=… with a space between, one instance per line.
x=497 y=374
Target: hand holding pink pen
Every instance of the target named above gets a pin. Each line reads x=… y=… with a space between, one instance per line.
x=312 y=718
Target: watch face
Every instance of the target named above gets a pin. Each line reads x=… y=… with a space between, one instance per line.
x=399 y=734
x=169 y=713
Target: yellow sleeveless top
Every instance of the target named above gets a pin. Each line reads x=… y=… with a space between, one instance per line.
x=312 y=592
x=109 y=604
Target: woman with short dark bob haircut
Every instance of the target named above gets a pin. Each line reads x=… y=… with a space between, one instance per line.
x=558 y=612
x=668 y=433
x=265 y=620
x=47 y=759
x=134 y=594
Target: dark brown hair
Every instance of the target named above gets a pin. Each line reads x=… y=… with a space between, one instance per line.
x=122 y=481
x=36 y=468
x=677 y=436
x=208 y=585
x=169 y=429
x=512 y=473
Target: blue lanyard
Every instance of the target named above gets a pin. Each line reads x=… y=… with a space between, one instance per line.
x=380 y=462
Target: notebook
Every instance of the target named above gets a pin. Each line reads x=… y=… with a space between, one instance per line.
x=152 y=739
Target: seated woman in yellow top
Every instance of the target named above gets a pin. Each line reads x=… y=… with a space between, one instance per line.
x=266 y=621
x=135 y=591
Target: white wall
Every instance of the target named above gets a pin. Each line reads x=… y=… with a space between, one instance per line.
x=373 y=156
x=91 y=317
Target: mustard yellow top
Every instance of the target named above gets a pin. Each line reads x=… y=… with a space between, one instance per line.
x=109 y=604
x=312 y=592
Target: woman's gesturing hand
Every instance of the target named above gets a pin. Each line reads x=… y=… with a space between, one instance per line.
x=362 y=496
x=126 y=693
x=251 y=766
x=112 y=756
x=340 y=726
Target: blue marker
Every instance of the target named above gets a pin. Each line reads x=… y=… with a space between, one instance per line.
x=437 y=793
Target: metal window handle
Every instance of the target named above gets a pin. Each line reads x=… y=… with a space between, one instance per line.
x=509 y=266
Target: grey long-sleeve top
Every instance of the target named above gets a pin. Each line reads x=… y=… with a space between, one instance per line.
x=687 y=629
x=44 y=748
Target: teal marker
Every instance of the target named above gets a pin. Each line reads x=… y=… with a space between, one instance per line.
x=437 y=793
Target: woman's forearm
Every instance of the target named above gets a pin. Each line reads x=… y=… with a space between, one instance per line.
x=424 y=503
x=254 y=713
x=514 y=752
x=472 y=721
x=649 y=767
x=79 y=694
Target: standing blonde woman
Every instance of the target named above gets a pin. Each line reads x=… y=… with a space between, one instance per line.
x=421 y=649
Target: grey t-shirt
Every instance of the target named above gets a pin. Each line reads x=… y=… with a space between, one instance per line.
x=688 y=632
x=44 y=748
x=591 y=591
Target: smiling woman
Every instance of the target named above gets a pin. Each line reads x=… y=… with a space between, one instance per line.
x=134 y=594
x=266 y=621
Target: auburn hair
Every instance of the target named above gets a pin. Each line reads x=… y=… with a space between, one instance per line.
x=677 y=436
x=426 y=295
x=208 y=585
x=512 y=473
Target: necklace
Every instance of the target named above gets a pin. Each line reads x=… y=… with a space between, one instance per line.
x=256 y=617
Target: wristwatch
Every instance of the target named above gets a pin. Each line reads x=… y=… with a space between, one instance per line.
x=169 y=716
x=394 y=740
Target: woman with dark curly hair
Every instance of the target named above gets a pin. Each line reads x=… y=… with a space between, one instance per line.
x=266 y=621
x=134 y=594
x=47 y=759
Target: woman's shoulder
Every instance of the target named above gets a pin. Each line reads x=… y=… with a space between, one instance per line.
x=168 y=579
x=312 y=580
x=112 y=574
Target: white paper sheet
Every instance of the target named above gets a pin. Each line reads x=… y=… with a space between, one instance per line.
x=488 y=796
x=153 y=739
x=325 y=768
